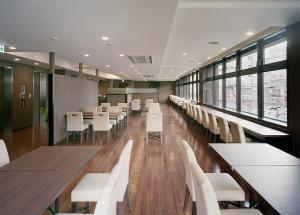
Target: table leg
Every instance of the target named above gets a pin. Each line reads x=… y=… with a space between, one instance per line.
x=251 y=201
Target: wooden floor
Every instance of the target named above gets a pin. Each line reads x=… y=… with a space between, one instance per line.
x=157 y=177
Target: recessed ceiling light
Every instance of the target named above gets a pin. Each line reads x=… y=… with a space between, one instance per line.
x=131 y=65
x=36 y=63
x=139 y=73
x=199 y=63
x=86 y=55
x=54 y=38
x=107 y=65
x=136 y=70
x=208 y=58
x=9 y=67
x=184 y=53
x=105 y=38
x=223 y=49
x=121 y=55
x=12 y=48
x=250 y=33
x=17 y=59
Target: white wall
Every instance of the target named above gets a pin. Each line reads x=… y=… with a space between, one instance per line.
x=71 y=94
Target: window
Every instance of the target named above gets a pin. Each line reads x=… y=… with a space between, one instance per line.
x=191 y=91
x=208 y=92
x=249 y=60
x=218 y=92
x=275 y=52
x=195 y=94
x=249 y=94
x=275 y=95
x=231 y=65
x=210 y=71
x=231 y=93
x=219 y=69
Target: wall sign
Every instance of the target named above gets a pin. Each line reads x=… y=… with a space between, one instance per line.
x=2 y=48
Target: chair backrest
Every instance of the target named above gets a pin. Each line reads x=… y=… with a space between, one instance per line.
x=206 y=200
x=205 y=119
x=135 y=105
x=123 y=105
x=195 y=114
x=107 y=202
x=154 y=108
x=237 y=132
x=189 y=156
x=113 y=109
x=124 y=174
x=213 y=124
x=148 y=102
x=225 y=134
x=105 y=105
x=74 y=121
x=101 y=121
x=4 y=157
x=99 y=109
x=199 y=114
x=91 y=109
x=154 y=122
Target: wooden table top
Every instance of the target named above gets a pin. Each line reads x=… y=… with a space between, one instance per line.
x=251 y=154
x=69 y=158
x=278 y=185
x=249 y=127
x=31 y=192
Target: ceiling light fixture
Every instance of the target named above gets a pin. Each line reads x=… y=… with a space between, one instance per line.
x=86 y=55
x=107 y=65
x=199 y=63
x=131 y=65
x=184 y=53
x=121 y=55
x=12 y=48
x=208 y=58
x=54 y=38
x=136 y=70
x=17 y=59
x=223 y=49
x=105 y=38
x=250 y=33
x=36 y=63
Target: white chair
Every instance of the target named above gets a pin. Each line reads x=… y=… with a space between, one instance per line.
x=226 y=188
x=101 y=123
x=154 y=108
x=205 y=119
x=106 y=200
x=4 y=157
x=90 y=109
x=124 y=108
x=238 y=134
x=116 y=109
x=135 y=105
x=225 y=134
x=206 y=198
x=105 y=106
x=75 y=124
x=154 y=123
x=92 y=184
x=99 y=109
x=148 y=102
x=199 y=115
x=213 y=126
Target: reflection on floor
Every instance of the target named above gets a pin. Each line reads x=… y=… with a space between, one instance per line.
x=157 y=177
x=25 y=140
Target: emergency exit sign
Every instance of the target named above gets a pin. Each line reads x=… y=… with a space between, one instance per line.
x=2 y=48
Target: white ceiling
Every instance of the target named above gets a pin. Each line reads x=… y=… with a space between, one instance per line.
x=163 y=29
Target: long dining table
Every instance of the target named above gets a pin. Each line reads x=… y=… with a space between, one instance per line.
x=270 y=172
x=30 y=184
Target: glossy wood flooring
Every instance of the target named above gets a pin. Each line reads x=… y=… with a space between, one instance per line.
x=157 y=177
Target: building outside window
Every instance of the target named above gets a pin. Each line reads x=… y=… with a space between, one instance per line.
x=219 y=69
x=219 y=92
x=231 y=66
x=249 y=94
x=249 y=60
x=231 y=93
x=275 y=52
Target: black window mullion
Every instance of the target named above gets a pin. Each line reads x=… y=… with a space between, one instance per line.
x=224 y=84
x=260 y=81
x=238 y=82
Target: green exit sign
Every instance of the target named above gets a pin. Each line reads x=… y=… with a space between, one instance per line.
x=2 y=48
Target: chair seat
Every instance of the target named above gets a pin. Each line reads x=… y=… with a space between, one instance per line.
x=240 y=212
x=90 y=187
x=225 y=187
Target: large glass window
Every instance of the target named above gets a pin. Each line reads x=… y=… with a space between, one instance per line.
x=218 y=92
x=208 y=92
x=249 y=60
x=231 y=65
x=249 y=94
x=275 y=52
x=195 y=94
x=231 y=93
x=191 y=91
x=275 y=95
x=219 y=69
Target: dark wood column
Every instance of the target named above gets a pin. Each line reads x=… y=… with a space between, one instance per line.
x=80 y=66
x=50 y=99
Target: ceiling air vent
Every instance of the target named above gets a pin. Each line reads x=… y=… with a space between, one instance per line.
x=213 y=43
x=140 y=59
